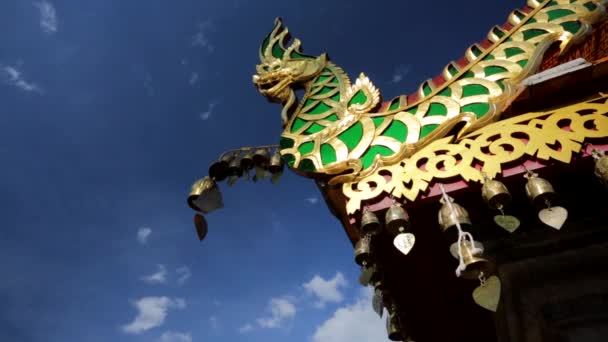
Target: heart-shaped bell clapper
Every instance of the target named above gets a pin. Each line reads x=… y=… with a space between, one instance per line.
x=404 y=242
x=554 y=217
x=487 y=294
x=507 y=222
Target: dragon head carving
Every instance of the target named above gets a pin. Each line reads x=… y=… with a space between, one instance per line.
x=284 y=69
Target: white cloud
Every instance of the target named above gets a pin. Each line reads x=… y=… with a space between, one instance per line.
x=354 y=322
x=282 y=310
x=312 y=200
x=400 y=72
x=143 y=234
x=184 y=274
x=48 y=16
x=327 y=291
x=160 y=277
x=14 y=77
x=152 y=312
x=193 y=78
x=200 y=38
x=207 y=114
x=245 y=328
x=172 y=336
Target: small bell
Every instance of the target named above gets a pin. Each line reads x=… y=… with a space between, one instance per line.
x=474 y=262
x=396 y=219
x=205 y=196
x=495 y=194
x=276 y=167
x=370 y=223
x=447 y=219
x=601 y=166
x=260 y=162
x=247 y=164
x=219 y=169
x=234 y=171
x=362 y=251
x=539 y=190
x=394 y=327
x=541 y=193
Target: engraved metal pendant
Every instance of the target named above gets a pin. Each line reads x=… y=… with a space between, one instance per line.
x=487 y=294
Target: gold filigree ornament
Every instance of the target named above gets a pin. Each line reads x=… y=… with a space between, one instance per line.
x=549 y=135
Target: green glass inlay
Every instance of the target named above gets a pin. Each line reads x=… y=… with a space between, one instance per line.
x=314 y=128
x=501 y=84
x=286 y=143
x=590 y=6
x=378 y=120
x=558 y=13
x=336 y=97
x=396 y=130
x=520 y=15
x=297 y=55
x=308 y=102
x=307 y=165
x=332 y=117
x=480 y=109
x=306 y=147
x=498 y=32
x=328 y=154
x=571 y=26
x=322 y=78
x=510 y=39
x=320 y=108
x=476 y=50
x=488 y=57
x=452 y=70
x=289 y=158
x=413 y=110
x=445 y=92
x=512 y=51
x=552 y=3
x=264 y=45
x=474 y=89
x=523 y=63
x=529 y=34
x=531 y=21
x=297 y=124
x=327 y=70
x=468 y=74
x=277 y=51
x=334 y=81
x=394 y=105
x=426 y=89
x=425 y=130
x=352 y=136
x=436 y=109
x=358 y=98
x=326 y=90
x=368 y=157
x=491 y=70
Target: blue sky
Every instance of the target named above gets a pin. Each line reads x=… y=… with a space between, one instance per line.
x=111 y=109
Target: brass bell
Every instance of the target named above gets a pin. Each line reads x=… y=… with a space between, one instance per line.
x=205 y=196
x=474 y=262
x=219 y=169
x=276 y=163
x=260 y=158
x=370 y=223
x=247 y=162
x=539 y=190
x=447 y=220
x=394 y=327
x=397 y=220
x=495 y=194
x=234 y=171
x=362 y=251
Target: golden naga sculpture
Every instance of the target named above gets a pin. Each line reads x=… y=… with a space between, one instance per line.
x=343 y=129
